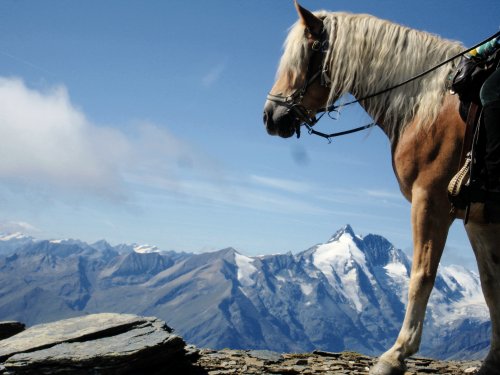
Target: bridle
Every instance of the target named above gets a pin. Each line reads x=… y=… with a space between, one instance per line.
x=293 y=102
x=309 y=118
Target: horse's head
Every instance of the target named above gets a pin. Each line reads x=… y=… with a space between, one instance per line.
x=300 y=89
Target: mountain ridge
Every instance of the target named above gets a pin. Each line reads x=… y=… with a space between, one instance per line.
x=348 y=293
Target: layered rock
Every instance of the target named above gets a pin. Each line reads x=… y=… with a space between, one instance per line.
x=99 y=343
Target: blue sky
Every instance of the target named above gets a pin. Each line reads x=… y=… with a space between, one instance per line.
x=141 y=121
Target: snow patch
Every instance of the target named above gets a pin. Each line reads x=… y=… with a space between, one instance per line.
x=246 y=269
x=146 y=249
x=396 y=270
x=338 y=260
x=446 y=311
x=307 y=289
x=281 y=279
x=456 y=276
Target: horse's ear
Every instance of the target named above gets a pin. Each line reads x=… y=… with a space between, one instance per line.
x=313 y=23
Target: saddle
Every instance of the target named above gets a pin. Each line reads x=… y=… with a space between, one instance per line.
x=467 y=186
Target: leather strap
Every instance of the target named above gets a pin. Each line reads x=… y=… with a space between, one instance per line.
x=470 y=127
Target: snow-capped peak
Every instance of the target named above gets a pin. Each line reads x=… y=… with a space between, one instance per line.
x=340 y=260
x=145 y=249
x=345 y=230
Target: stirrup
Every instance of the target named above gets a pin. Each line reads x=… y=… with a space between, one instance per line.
x=459 y=188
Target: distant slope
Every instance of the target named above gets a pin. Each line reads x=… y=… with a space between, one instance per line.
x=346 y=294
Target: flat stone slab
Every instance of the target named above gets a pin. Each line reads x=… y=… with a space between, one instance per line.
x=99 y=343
x=74 y=329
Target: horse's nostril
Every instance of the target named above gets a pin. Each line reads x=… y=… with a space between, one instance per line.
x=265 y=117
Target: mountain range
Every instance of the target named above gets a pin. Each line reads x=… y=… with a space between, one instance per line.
x=348 y=293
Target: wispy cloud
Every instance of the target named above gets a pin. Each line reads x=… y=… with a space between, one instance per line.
x=213 y=75
x=25 y=62
x=282 y=184
x=230 y=192
x=393 y=195
x=17 y=226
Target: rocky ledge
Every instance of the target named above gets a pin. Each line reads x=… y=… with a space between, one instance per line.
x=264 y=362
x=129 y=344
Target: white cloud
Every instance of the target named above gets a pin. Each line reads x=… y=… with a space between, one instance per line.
x=46 y=143
x=46 y=140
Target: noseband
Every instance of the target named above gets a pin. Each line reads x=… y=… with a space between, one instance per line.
x=293 y=102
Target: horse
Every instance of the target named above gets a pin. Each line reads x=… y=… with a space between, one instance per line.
x=330 y=54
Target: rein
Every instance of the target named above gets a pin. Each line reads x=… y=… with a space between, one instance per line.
x=329 y=137
x=414 y=78
x=294 y=101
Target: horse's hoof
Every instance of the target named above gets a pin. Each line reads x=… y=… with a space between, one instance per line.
x=384 y=368
x=489 y=369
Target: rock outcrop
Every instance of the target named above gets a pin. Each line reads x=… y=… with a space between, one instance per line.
x=129 y=344
x=99 y=343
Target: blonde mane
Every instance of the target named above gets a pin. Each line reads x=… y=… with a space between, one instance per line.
x=366 y=55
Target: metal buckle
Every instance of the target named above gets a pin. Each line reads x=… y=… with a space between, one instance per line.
x=316 y=46
x=320 y=46
x=303 y=115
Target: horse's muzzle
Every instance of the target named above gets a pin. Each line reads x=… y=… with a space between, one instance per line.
x=279 y=121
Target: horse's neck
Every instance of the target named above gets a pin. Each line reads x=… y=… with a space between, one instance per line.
x=389 y=55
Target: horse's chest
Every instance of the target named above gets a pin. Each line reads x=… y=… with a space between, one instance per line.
x=427 y=158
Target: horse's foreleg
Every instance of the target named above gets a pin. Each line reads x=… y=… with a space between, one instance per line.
x=430 y=224
x=484 y=241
